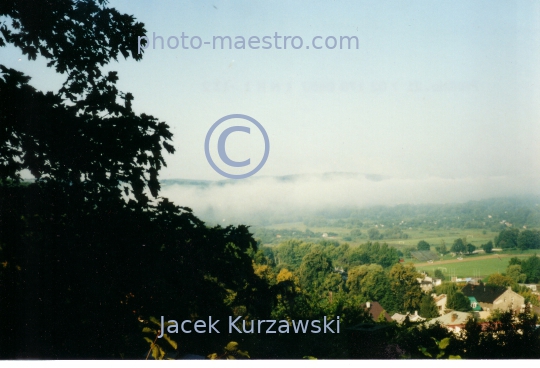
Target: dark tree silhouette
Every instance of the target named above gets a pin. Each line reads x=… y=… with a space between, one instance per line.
x=85 y=252
x=87 y=134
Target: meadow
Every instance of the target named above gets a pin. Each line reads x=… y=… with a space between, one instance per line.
x=434 y=237
x=475 y=265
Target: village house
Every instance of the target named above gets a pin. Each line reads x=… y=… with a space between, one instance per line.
x=440 y=301
x=375 y=309
x=475 y=306
x=400 y=318
x=491 y=298
x=453 y=321
x=533 y=287
x=427 y=283
x=470 y=280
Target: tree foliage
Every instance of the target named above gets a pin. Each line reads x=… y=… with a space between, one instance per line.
x=458 y=246
x=531 y=267
x=507 y=238
x=87 y=134
x=428 y=308
x=511 y=336
x=528 y=239
x=442 y=248
x=488 y=247
x=516 y=274
x=314 y=270
x=497 y=279
x=439 y=274
x=88 y=250
x=374 y=234
x=422 y=245
x=458 y=301
x=370 y=283
x=405 y=289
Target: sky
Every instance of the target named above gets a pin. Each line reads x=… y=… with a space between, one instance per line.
x=440 y=99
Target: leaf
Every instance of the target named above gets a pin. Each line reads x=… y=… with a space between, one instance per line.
x=212 y=356
x=149 y=340
x=148 y=329
x=425 y=352
x=161 y=353
x=454 y=357
x=155 y=321
x=243 y=354
x=231 y=347
x=155 y=352
x=170 y=341
x=444 y=343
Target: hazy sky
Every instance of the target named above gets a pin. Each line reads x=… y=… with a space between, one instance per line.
x=445 y=90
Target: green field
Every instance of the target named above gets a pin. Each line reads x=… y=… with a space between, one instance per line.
x=477 y=265
x=433 y=237
x=471 y=267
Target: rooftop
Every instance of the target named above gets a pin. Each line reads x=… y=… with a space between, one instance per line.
x=452 y=318
x=483 y=293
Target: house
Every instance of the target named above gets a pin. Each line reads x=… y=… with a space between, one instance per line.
x=533 y=287
x=474 y=304
x=470 y=280
x=495 y=297
x=375 y=309
x=400 y=318
x=427 y=283
x=426 y=286
x=440 y=301
x=453 y=321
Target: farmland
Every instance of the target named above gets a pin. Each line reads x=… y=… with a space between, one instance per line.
x=476 y=266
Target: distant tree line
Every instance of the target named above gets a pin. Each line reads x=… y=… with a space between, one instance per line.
x=513 y=238
x=291 y=252
x=484 y=214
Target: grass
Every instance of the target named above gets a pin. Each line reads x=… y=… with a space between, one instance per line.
x=472 y=266
x=476 y=265
x=433 y=237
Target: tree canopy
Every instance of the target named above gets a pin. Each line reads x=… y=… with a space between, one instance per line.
x=86 y=134
x=423 y=245
x=88 y=251
x=458 y=246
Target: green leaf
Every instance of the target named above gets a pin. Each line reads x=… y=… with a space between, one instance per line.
x=161 y=353
x=243 y=354
x=170 y=341
x=425 y=352
x=444 y=343
x=155 y=352
x=231 y=347
x=155 y=321
x=148 y=329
